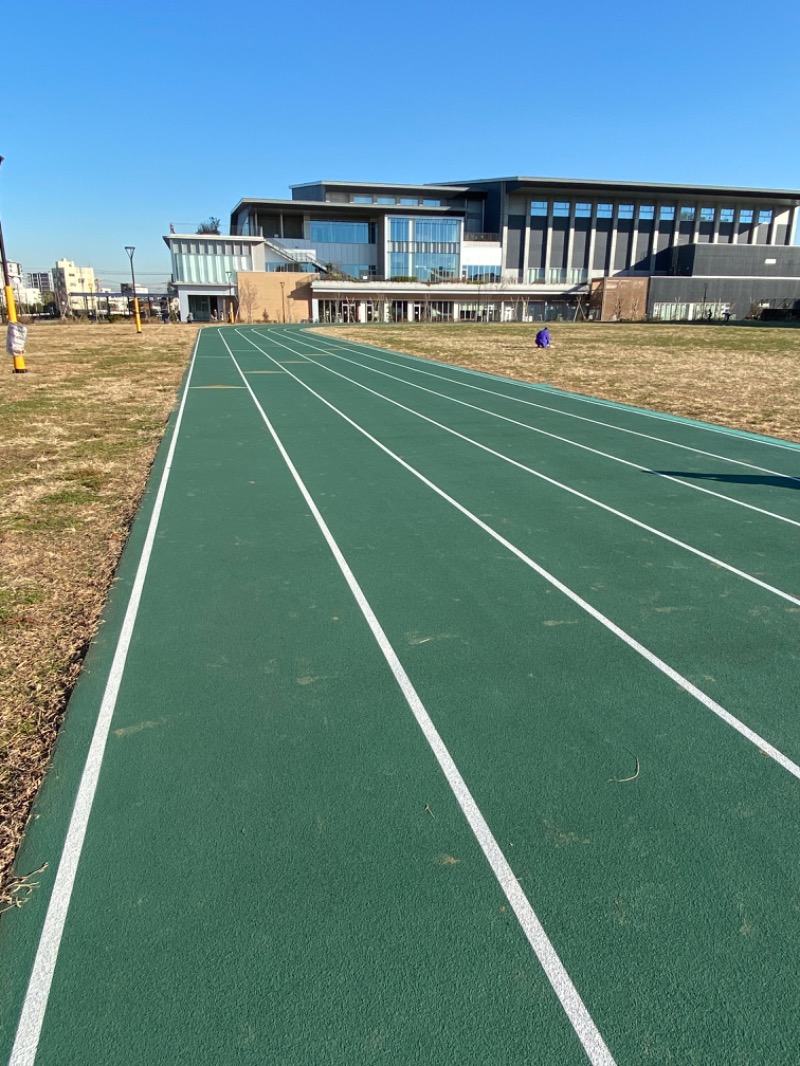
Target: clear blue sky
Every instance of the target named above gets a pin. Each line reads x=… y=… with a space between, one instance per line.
x=119 y=119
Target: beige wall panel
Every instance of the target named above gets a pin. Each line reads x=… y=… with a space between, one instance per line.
x=282 y=297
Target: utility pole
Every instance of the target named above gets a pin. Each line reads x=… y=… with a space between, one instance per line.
x=130 y=249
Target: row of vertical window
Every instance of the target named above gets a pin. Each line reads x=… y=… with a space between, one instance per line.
x=481 y=273
x=210 y=247
x=423 y=266
x=421 y=230
x=404 y=201
x=425 y=230
x=666 y=212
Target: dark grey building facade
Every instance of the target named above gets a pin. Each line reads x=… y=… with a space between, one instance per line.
x=742 y=279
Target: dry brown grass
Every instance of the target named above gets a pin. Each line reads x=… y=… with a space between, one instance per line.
x=78 y=432
x=745 y=377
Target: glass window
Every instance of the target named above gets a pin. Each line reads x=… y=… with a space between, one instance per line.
x=424 y=248
x=726 y=214
x=583 y=210
x=746 y=216
x=361 y=199
x=399 y=265
x=647 y=211
x=431 y=203
x=605 y=210
x=409 y=201
x=439 y=229
x=560 y=209
x=359 y=271
x=386 y=200
x=435 y=267
x=707 y=214
x=764 y=217
x=539 y=208
x=398 y=229
x=687 y=212
x=340 y=232
x=481 y=273
x=625 y=211
x=667 y=212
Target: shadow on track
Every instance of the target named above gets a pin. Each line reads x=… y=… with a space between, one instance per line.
x=775 y=480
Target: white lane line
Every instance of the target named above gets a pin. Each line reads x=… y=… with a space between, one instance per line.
x=729 y=719
x=571 y=414
x=26 y=1042
x=577 y=444
x=552 y=481
x=562 y=985
x=660 y=416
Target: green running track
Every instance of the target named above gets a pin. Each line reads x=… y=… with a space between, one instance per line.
x=436 y=719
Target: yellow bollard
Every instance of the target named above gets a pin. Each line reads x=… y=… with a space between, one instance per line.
x=19 y=357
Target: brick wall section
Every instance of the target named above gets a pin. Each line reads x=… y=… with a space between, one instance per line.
x=619 y=299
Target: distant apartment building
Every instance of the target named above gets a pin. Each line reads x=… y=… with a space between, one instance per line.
x=73 y=287
x=25 y=297
x=41 y=280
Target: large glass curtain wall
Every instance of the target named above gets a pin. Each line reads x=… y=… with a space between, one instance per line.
x=424 y=248
x=350 y=248
x=341 y=232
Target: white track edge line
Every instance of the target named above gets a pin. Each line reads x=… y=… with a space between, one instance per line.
x=26 y=1042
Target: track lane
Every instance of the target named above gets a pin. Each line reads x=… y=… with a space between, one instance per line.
x=664 y=599
x=689 y=844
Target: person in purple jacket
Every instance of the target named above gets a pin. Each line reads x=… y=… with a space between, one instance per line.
x=543 y=338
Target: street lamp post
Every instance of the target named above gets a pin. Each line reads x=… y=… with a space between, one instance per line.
x=232 y=309
x=16 y=331
x=130 y=249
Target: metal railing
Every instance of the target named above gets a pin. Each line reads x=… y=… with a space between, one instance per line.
x=558 y=276
x=295 y=255
x=193 y=228
x=564 y=278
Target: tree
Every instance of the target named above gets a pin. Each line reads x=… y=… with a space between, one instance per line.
x=211 y=225
x=247 y=298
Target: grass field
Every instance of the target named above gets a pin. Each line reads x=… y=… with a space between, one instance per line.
x=79 y=432
x=746 y=377
x=78 y=435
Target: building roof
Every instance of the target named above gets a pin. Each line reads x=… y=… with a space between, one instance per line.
x=668 y=188
x=448 y=187
x=210 y=237
x=333 y=206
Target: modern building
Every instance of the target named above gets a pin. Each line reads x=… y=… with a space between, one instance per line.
x=498 y=249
